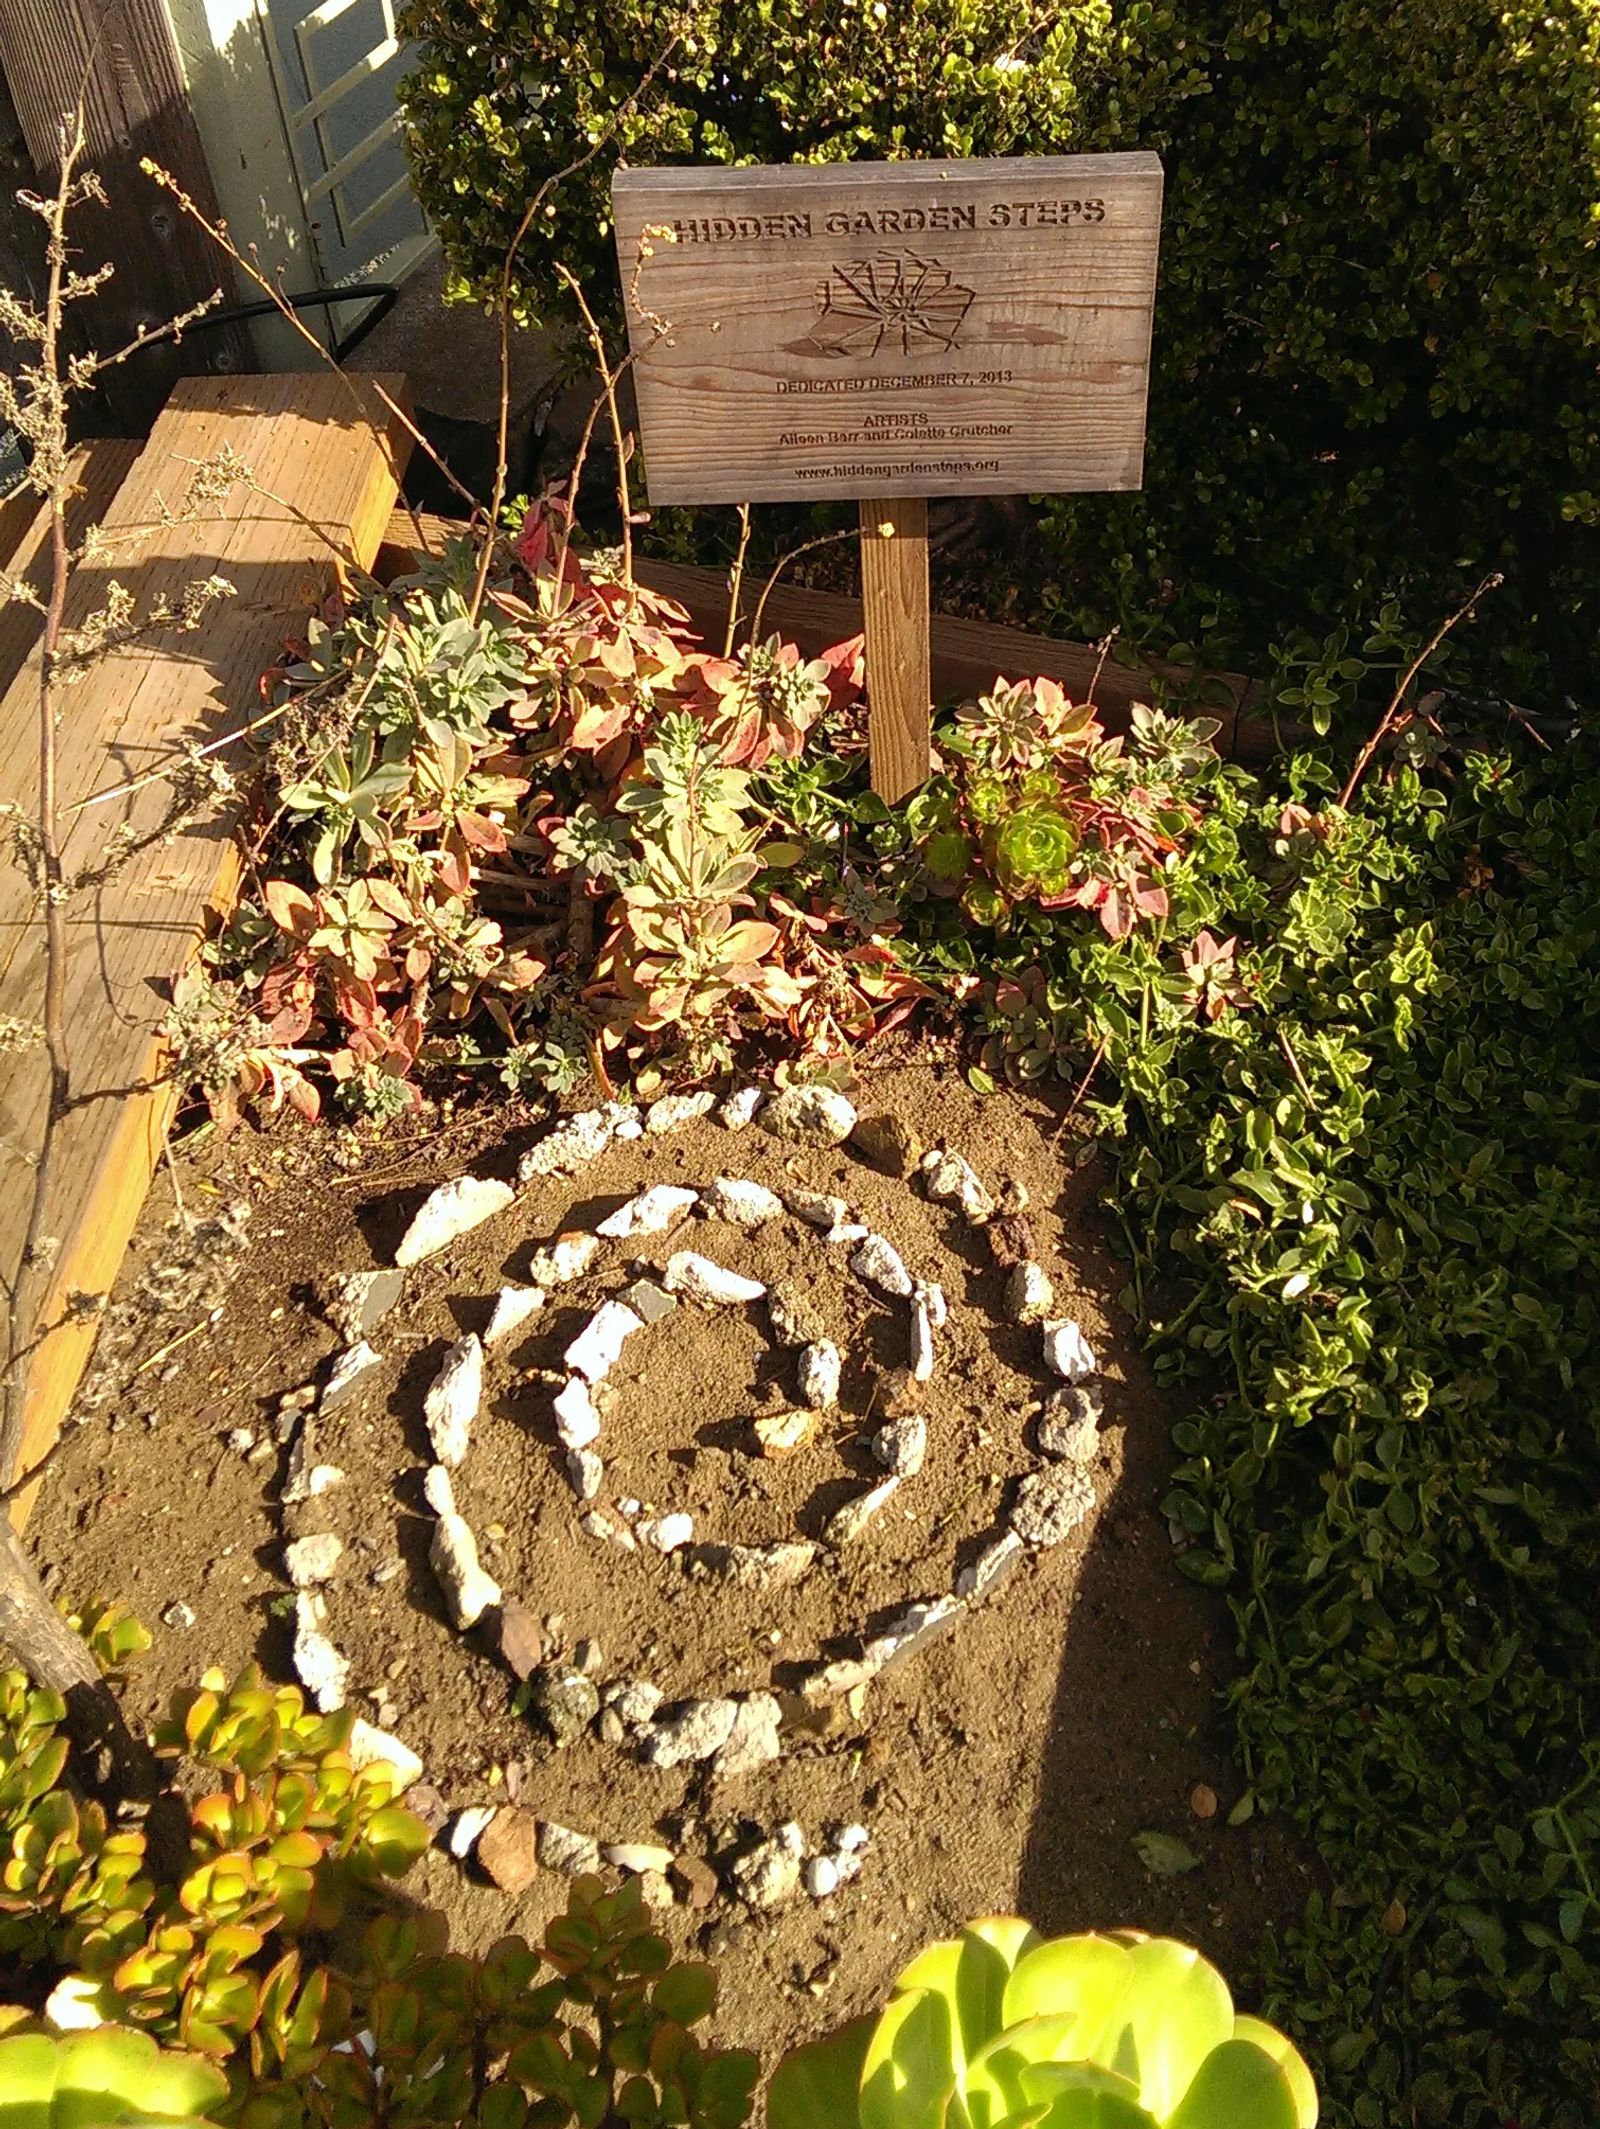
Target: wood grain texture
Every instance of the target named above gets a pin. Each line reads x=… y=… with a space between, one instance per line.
x=966 y=656
x=894 y=612
x=333 y=457
x=916 y=328
x=123 y=58
x=98 y=470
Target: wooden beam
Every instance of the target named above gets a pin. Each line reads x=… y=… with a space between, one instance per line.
x=966 y=656
x=894 y=615
x=334 y=457
x=122 y=56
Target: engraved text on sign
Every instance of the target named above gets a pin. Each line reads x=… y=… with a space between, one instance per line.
x=922 y=328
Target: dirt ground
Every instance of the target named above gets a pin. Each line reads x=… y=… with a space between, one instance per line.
x=1008 y=1766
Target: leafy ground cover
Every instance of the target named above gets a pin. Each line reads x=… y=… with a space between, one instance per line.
x=1342 y=1052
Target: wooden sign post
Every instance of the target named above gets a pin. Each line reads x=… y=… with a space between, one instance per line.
x=890 y=332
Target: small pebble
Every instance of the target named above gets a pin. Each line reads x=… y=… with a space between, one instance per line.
x=1066 y=1351
x=809 y=1116
x=178 y=1615
x=468 y=1828
x=783 y=1433
x=665 y=1533
x=1029 y=1295
x=564 y=1850
x=703 y=1280
x=651 y=1213
x=902 y=1445
x=846 y=1524
x=819 y=1371
x=586 y=1473
x=738 y=1112
x=877 y=1261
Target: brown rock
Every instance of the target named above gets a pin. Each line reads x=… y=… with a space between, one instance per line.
x=522 y=1639
x=508 y=1849
x=895 y=1395
x=887 y=1144
x=696 y=1879
x=423 y=1800
x=1012 y=1240
x=1203 y=1801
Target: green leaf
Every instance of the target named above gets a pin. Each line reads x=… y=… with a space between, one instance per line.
x=1238 y=2086
x=817 y=2086
x=1164 y=1855
x=686 y=1993
x=909 y=2072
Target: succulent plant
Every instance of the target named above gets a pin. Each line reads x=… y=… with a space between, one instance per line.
x=1000 y=2029
x=107 y=2078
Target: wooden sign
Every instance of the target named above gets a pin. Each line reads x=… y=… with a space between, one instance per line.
x=889 y=332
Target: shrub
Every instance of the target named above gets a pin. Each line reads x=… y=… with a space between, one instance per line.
x=597 y=2028
x=1378 y=317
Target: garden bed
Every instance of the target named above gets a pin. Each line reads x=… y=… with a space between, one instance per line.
x=1010 y=1763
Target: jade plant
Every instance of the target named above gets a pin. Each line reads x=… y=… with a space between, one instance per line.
x=1002 y=2029
x=108 y=2078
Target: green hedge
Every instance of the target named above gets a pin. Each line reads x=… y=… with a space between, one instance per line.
x=1380 y=305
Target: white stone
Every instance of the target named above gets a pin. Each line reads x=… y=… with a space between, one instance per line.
x=819 y=1371
x=921 y=1354
x=837 y=1680
x=816 y=1208
x=847 y=1523
x=309 y=1561
x=846 y=1231
x=368 y=1746
x=822 y=1876
x=851 y=1840
x=320 y=1668
x=608 y=1530
x=810 y=1116
x=452 y=1402
x=513 y=1306
x=453 y=1555
x=673 y=1111
x=901 y=1445
x=753 y=1741
x=1069 y=1426
x=916 y=1625
x=567 y=1258
x=563 y=1849
x=452 y=1210
x=1051 y=1504
x=1029 y=1295
x=638 y=1856
x=702 y=1280
x=991 y=1567
x=354 y=1362
x=652 y=1212
x=577 y=1421
x=759 y=1567
x=783 y=1433
x=770 y=1874
x=322 y=1479
x=665 y=1533
x=1066 y=1351
x=598 y=1346
x=951 y=1180
x=931 y=1295
x=693 y=1731
x=636 y=1701
x=878 y=1262
x=746 y=1204
x=739 y=1110
x=570 y=1146
x=586 y=1474
x=468 y=1828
